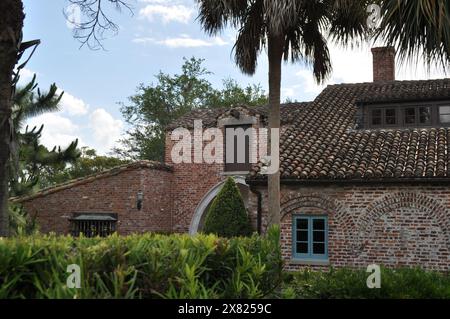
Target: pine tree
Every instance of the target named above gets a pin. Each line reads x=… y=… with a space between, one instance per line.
x=227 y=216
x=28 y=154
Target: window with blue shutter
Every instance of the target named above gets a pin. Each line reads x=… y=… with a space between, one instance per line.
x=310 y=237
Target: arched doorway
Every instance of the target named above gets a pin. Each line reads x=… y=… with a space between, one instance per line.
x=203 y=207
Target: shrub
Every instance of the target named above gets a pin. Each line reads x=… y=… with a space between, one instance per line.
x=402 y=283
x=141 y=266
x=227 y=216
x=20 y=223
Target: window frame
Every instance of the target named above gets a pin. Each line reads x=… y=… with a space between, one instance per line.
x=384 y=116
x=310 y=256
x=401 y=114
x=431 y=115
x=439 y=113
x=372 y=117
x=417 y=116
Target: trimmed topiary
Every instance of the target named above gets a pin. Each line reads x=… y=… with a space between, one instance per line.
x=227 y=216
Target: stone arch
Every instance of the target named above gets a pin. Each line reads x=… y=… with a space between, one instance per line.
x=391 y=202
x=207 y=199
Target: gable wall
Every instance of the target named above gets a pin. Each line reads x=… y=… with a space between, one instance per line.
x=192 y=181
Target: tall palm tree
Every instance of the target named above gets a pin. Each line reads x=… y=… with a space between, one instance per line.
x=11 y=23
x=289 y=29
x=419 y=28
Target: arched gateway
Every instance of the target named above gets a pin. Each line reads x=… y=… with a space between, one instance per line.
x=206 y=201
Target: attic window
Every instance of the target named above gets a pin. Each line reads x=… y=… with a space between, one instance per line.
x=391 y=116
x=410 y=115
x=377 y=117
x=384 y=117
x=425 y=115
x=406 y=115
x=444 y=114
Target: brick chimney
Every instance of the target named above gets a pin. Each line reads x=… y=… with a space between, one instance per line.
x=383 y=64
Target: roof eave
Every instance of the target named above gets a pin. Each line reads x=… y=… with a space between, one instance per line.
x=412 y=180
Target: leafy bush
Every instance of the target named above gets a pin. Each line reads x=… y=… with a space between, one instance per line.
x=227 y=216
x=141 y=266
x=20 y=223
x=400 y=283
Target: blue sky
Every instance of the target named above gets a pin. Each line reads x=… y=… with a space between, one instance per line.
x=156 y=37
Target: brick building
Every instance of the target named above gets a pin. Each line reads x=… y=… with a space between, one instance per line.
x=365 y=172
x=129 y=198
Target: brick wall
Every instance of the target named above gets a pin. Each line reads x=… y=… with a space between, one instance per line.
x=116 y=194
x=391 y=225
x=383 y=64
x=192 y=181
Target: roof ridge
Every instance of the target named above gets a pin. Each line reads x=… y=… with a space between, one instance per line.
x=386 y=82
x=93 y=177
x=243 y=105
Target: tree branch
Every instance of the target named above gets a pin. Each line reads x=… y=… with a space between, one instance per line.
x=94 y=25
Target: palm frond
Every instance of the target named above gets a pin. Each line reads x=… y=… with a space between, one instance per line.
x=348 y=21
x=316 y=52
x=251 y=39
x=306 y=42
x=282 y=15
x=215 y=15
x=419 y=28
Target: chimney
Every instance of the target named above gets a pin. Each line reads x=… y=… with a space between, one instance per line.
x=383 y=64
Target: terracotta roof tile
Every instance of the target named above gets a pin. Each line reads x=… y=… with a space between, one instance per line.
x=322 y=143
x=288 y=114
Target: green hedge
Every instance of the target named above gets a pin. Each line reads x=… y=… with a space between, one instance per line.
x=141 y=266
x=403 y=283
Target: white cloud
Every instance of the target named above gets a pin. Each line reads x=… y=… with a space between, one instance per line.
x=97 y=129
x=288 y=92
x=54 y=123
x=106 y=130
x=58 y=130
x=351 y=65
x=25 y=76
x=72 y=105
x=183 y=41
x=144 y=40
x=309 y=84
x=166 y=11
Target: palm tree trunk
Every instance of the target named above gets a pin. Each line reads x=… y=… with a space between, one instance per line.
x=11 y=24
x=275 y=52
